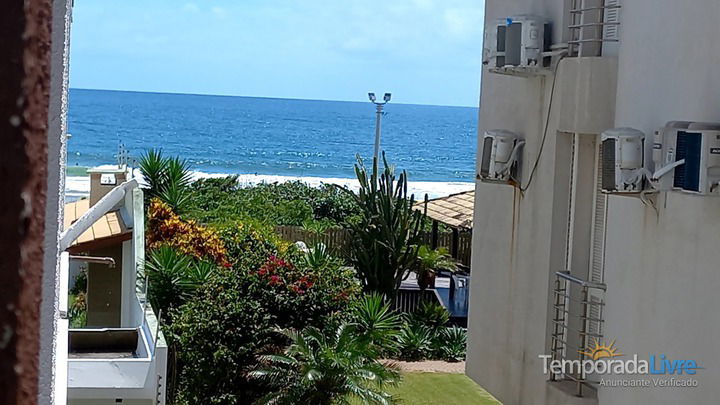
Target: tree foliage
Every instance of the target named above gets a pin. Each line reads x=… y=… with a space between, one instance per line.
x=219 y=334
x=167 y=178
x=221 y=200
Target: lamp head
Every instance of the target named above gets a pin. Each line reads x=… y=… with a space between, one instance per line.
x=387 y=97
x=371 y=96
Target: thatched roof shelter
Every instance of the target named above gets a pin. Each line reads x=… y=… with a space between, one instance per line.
x=454 y=210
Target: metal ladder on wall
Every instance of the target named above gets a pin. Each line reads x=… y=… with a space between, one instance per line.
x=592 y=23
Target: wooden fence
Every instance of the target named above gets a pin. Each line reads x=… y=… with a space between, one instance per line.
x=337 y=239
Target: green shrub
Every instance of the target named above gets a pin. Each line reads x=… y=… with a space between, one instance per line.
x=415 y=341
x=80 y=284
x=222 y=200
x=326 y=368
x=249 y=244
x=174 y=277
x=430 y=314
x=77 y=312
x=377 y=323
x=450 y=343
x=319 y=257
x=219 y=335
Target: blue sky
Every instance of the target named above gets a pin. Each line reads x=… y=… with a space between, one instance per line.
x=424 y=51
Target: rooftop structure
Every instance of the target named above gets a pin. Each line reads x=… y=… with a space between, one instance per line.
x=454 y=210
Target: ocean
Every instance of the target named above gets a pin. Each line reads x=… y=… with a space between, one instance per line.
x=271 y=139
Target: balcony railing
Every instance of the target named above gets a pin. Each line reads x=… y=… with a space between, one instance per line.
x=593 y=24
x=577 y=321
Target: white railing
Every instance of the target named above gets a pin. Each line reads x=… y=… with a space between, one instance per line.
x=593 y=24
x=577 y=319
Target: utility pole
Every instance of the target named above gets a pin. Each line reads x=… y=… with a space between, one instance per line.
x=378 y=119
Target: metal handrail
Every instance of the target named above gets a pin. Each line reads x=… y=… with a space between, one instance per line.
x=582 y=10
x=567 y=307
x=584 y=283
x=573 y=299
x=577 y=25
x=593 y=24
x=109 y=261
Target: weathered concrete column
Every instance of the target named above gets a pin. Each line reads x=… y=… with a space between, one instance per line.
x=25 y=29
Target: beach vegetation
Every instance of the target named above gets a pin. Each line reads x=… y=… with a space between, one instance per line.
x=165 y=227
x=319 y=257
x=430 y=314
x=325 y=368
x=450 y=343
x=174 y=277
x=77 y=301
x=226 y=283
x=423 y=334
x=377 y=323
x=415 y=341
x=220 y=200
x=386 y=237
x=218 y=335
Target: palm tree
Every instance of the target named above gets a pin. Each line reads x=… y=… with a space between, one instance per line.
x=324 y=369
x=429 y=262
x=167 y=178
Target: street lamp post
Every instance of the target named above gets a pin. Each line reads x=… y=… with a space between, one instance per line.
x=378 y=111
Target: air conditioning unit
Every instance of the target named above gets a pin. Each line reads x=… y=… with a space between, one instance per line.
x=516 y=41
x=499 y=156
x=622 y=160
x=687 y=157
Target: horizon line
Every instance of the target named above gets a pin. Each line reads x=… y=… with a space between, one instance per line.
x=262 y=97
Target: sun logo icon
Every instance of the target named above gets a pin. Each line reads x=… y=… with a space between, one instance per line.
x=600 y=350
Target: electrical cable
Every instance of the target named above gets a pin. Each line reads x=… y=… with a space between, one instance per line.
x=545 y=131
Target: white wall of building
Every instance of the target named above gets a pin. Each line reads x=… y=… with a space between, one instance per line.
x=512 y=241
x=661 y=271
x=57 y=130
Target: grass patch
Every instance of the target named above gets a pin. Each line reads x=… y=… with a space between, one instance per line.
x=441 y=389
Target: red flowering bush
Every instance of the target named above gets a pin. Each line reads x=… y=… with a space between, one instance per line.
x=220 y=334
x=280 y=273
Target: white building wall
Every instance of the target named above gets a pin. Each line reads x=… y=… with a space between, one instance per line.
x=48 y=388
x=512 y=240
x=661 y=271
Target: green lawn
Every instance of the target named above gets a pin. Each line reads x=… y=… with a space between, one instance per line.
x=441 y=389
